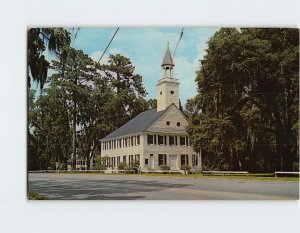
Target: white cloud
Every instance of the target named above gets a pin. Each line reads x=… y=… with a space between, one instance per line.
x=96 y=56
x=146 y=47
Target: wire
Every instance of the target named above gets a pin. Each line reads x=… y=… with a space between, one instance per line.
x=108 y=44
x=180 y=37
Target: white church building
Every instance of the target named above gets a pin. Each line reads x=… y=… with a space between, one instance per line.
x=155 y=137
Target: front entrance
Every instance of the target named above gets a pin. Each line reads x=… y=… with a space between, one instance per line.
x=173 y=162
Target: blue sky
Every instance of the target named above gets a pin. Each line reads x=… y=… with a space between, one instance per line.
x=146 y=47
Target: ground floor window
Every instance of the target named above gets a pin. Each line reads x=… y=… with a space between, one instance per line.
x=184 y=160
x=162 y=159
x=194 y=160
x=118 y=160
x=114 y=161
x=146 y=161
x=130 y=159
x=137 y=159
x=124 y=158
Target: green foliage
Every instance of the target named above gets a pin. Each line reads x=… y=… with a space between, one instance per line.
x=246 y=112
x=121 y=166
x=40 y=39
x=185 y=167
x=73 y=112
x=164 y=167
x=128 y=169
x=100 y=163
x=36 y=196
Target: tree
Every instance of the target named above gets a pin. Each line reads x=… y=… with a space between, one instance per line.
x=40 y=39
x=74 y=76
x=248 y=99
x=127 y=86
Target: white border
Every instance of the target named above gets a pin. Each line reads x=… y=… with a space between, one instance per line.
x=18 y=215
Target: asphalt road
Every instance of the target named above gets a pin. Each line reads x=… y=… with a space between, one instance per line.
x=129 y=187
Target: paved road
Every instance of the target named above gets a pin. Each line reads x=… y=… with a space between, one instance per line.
x=129 y=187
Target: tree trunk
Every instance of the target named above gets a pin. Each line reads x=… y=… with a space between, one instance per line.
x=279 y=137
x=74 y=141
x=74 y=131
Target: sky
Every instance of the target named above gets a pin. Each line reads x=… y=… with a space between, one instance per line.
x=145 y=47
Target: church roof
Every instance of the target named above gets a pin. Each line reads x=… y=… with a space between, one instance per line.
x=168 y=60
x=138 y=124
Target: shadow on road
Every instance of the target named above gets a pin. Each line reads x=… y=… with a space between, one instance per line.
x=98 y=190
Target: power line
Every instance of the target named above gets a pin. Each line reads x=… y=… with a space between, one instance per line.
x=108 y=44
x=180 y=37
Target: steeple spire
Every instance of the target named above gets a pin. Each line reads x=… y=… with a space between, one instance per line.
x=168 y=60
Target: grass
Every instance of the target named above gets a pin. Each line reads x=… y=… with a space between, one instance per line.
x=253 y=176
x=259 y=177
x=36 y=196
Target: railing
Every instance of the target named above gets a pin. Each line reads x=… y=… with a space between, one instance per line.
x=286 y=173
x=225 y=172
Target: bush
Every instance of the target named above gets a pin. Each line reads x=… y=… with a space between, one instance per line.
x=128 y=169
x=122 y=166
x=100 y=163
x=164 y=167
x=185 y=168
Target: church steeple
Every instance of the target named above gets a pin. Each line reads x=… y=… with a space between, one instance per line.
x=168 y=64
x=167 y=86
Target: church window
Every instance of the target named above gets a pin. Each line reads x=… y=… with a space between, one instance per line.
x=194 y=160
x=137 y=159
x=162 y=159
x=160 y=140
x=168 y=123
x=150 y=139
x=182 y=141
x=172 y=92
x=178 y=124
x=184 y=160
x=131 y=141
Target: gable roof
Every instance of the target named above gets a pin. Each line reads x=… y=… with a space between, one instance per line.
x=138 y=124
x=167 y=129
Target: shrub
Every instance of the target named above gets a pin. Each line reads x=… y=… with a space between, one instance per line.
x=100 y=163
x=128 y=169
x=122 y=166
x=185 y=168
x=164 y=167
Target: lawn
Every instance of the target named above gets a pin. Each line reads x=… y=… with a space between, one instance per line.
x=251 y=176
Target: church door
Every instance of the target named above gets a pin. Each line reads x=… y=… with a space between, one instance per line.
x=173 y=162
